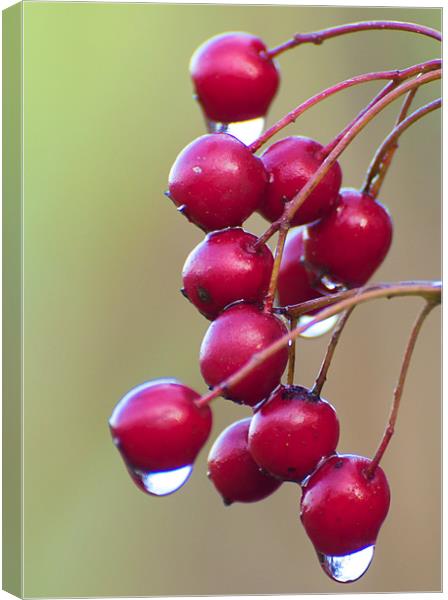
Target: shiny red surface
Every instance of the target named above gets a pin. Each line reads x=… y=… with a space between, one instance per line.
x=232 y=81
x=291 y=432
x=352 y=241
x=290 y=163
x=231 y=340
x=225 y=267
x=157 y=426
x=294 y=282
x=232 y=469
x=341 y=509
x=217 y=182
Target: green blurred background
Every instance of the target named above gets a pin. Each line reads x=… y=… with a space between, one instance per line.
x=108 y=105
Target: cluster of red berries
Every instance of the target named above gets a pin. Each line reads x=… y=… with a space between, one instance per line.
x=340 y=238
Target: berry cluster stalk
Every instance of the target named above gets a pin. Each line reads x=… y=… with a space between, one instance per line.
x=396 y=76
x=318 y=37
x=322 y=375
x=398 y=392
x=384 y=154
x=299 y=199
x=430 y=290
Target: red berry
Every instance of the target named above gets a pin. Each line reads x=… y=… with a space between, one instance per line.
x=294 y=281
x=350 y=243
x=158 y=427
x=226 y=267
x=217 y=182
x=232 y=469
x=233 y=81
x=342 y=509
x=238 y=333
x=291 y=432
x=290 y=163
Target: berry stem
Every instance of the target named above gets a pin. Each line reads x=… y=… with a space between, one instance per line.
x=291 y=353
x=394 y=75
x=398 y=392
x=430 y=290
x=383 y=157
x=322 y=375
x=269 y=299
x=318 y=37
x=292 y=206
x=426 y=289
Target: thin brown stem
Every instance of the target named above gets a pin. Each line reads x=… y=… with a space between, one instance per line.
x=429 y=290
x=322 y=375
x=269 y=299
x=398 y=392
x=426 y=289
x=292 y=206
x=318 y=37
x=374 y=186
x=383 y=156
x=394 y=75
x=291 y=354
x=334 y=142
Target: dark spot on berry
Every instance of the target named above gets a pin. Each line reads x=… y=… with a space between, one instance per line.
x=291 y=469
x=338 y=464
x=204 y=296
x=227 y=502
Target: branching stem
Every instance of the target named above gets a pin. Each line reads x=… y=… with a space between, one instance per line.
x=311 y=184
x=291 y=354
x=394 y=75
x=269 y=300
x=429 y=290
x=322 y=376
x=398 y=392
x=383 y=156
x=318 y=37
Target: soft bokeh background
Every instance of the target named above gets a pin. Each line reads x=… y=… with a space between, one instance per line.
x=108 y=105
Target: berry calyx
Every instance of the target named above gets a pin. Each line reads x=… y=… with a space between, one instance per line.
x=230 y=342
x=217 y=182
x=294 y=281
x=350 y=243
x=157 y=427
x=232 y=469
x=291 y=432
x=224 y=268
x=342 y=509
x=233 y=80
x=290 y=163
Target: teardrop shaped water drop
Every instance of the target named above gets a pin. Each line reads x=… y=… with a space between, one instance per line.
x=320 y=328
x=161 y=483
x=348 y=568
x=328 y=284
x=246 y=131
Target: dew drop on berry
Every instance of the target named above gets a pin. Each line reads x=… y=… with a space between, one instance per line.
x=348 y=568
x=162 y=483
x=246 y=131
x=318 y=329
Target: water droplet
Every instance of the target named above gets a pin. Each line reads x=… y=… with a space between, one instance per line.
x=332 y=285
x=246 y=131
x=162 y=483
x=320 y=328
x=348 y=568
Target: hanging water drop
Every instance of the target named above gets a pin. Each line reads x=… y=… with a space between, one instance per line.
x=246 y=131
x=318 y=329
x=162 y=483
x=348 y=568
x=332 y=285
